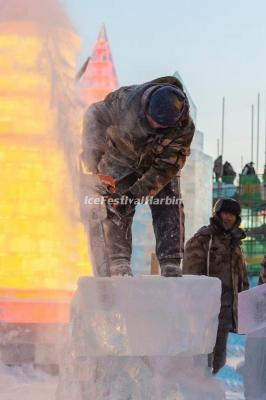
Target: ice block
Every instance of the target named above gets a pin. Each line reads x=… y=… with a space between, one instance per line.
x=142 y=338
x=145 y=316
x=252 y=309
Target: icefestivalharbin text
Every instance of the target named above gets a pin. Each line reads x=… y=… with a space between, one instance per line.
x=124 y=200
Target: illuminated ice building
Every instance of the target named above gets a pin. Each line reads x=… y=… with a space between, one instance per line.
x=43 y=248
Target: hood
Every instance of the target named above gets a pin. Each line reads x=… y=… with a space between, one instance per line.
x=236 y=232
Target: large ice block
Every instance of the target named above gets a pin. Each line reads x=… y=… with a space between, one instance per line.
x=254 y=370
x=139 y=378
x=145 y=316
x=142 y=338
x=252 y=309
x=252 y=321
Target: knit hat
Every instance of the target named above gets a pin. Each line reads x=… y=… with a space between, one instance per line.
x=227 y=205
x=168 y=105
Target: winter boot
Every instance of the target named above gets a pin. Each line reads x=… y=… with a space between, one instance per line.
x=171 y=269
x=120 y=267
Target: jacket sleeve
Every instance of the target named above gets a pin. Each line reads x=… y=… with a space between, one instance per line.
x=244 y=274
x=245 y=277
x=195 y=256
x=262 y=276
x=166 y=165
x=96 y=121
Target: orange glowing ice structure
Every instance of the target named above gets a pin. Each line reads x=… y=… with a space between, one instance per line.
x=99 y=77
x=43 y=247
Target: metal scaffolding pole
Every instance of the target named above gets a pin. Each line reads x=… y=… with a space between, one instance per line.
x=265 y=141
x=252 y=133
x=223 y=115
x=218 y=147
x=222 y=150
x=258 y=134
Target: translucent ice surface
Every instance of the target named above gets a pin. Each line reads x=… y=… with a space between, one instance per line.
x=142 y=338
x=252 y=309
x=145 y=316
x=252 y=321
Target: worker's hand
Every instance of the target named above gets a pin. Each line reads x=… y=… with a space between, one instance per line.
x=119 y=203
x=106 y=192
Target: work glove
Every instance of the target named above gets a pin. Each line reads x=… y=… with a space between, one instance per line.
x=107 y=192
x=119 y=204
x=126 y=204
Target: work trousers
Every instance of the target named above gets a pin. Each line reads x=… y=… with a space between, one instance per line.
x=168 y=224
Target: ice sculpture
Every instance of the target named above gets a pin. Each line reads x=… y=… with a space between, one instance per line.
x=43 y=248
x=252 y=310
x=196 y=185
x=252 y=321
x=142 y=338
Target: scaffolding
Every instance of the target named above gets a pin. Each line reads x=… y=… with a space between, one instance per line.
x=250 y=191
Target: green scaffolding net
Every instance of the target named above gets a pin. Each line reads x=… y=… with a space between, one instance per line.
x=250 y=191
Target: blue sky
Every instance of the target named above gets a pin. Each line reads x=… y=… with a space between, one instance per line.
x=218 y=47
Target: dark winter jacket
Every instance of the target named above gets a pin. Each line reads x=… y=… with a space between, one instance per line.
x=118 y=141
x=213 y=251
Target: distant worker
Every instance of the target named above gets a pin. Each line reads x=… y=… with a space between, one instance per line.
x=249 y=169
x=215 y=250
x=249 y=182
x=264 y=176
x=229 y=173
x=140 y=135
x=218 y=168
x=262 y=276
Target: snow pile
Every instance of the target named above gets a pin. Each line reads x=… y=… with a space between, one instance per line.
x=26 y=383
x=142 y=338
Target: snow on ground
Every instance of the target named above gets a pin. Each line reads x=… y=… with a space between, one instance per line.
x=26 y=383
x=229 y=375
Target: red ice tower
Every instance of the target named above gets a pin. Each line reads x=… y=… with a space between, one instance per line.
x=98 y=76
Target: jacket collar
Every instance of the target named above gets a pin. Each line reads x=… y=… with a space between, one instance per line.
x=237 y=234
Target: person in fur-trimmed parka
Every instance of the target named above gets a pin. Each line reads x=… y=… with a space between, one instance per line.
x=215 y=250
